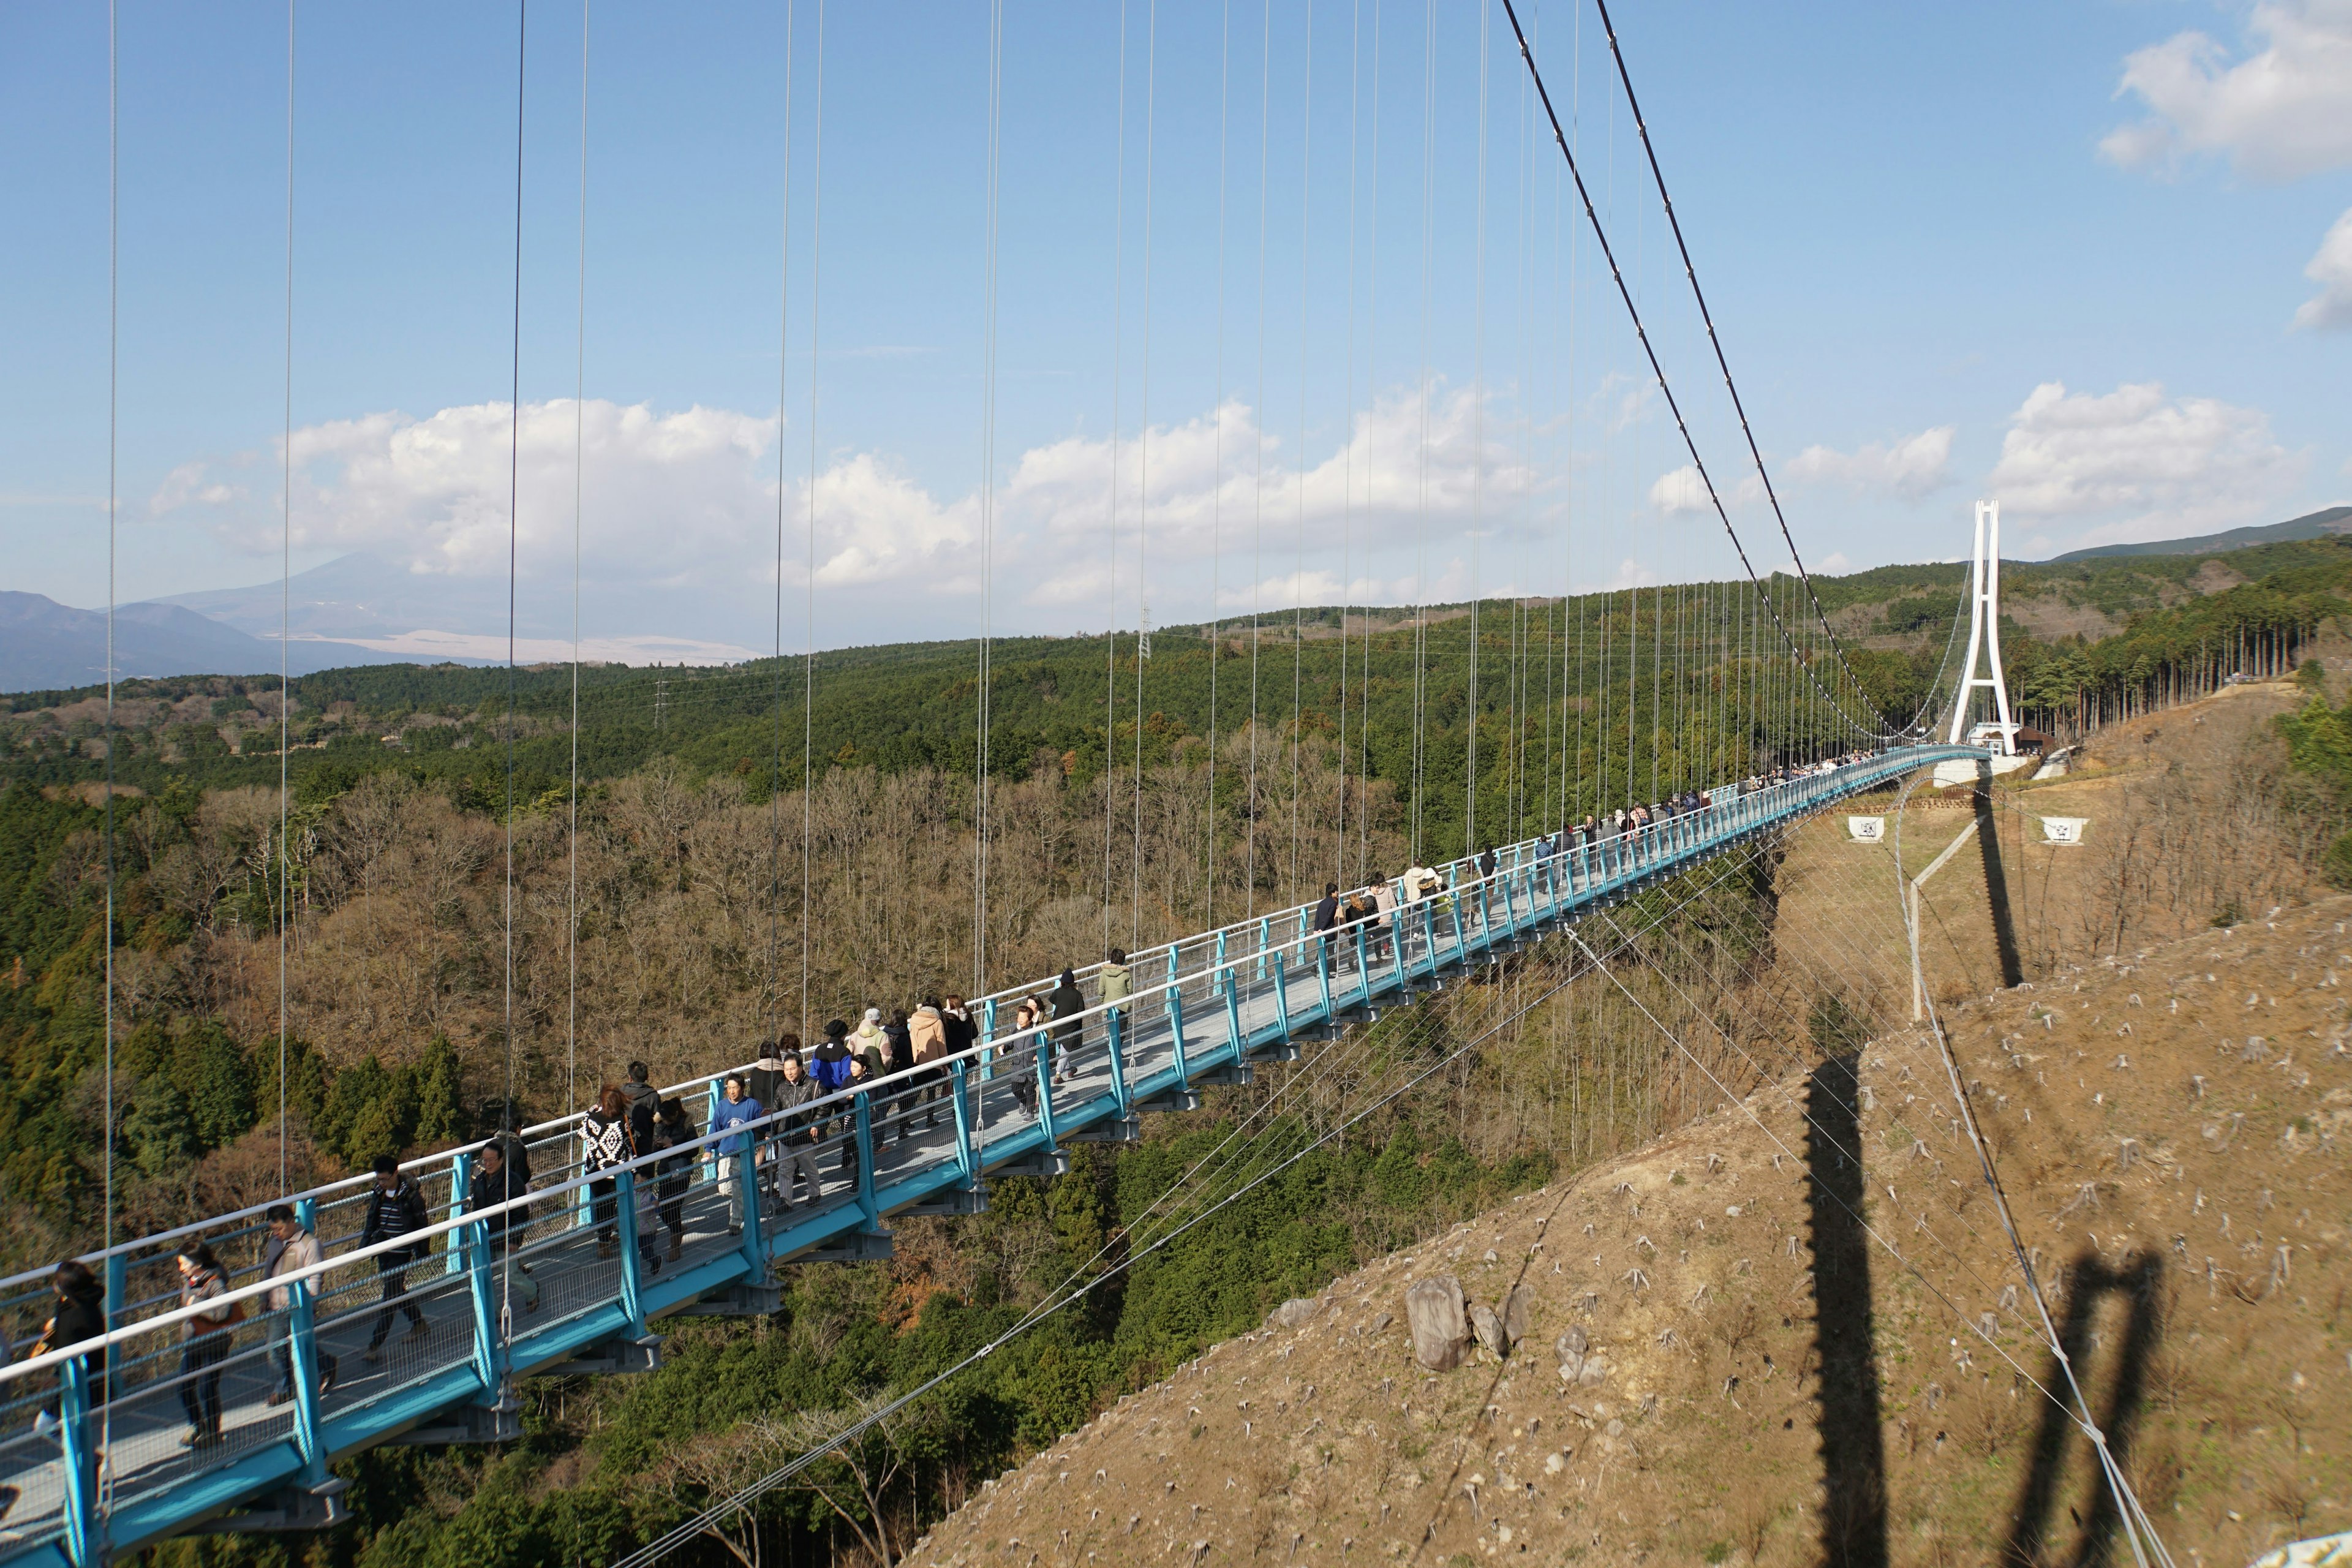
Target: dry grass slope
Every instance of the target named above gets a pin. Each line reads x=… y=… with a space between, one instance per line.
x=1760 y=1382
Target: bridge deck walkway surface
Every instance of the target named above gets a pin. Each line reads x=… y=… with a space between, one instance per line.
x=102 y=1465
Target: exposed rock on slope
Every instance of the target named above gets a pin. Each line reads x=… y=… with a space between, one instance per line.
x=1714 y=1361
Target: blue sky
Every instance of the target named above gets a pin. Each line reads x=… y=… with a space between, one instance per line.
x=2095 y=260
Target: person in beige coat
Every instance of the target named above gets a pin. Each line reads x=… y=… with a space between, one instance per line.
x=927 y=1034
x=290 y=1250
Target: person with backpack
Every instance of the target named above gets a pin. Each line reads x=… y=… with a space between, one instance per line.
x=204 y=1342
x=894 y=1115
x=644 y=1102
x=396 y=1208
x=738 y=1109
x=501 y=1174
x=760 y=1081
x=291 y=1248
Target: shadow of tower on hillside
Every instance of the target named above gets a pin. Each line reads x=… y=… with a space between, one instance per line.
x=1854 y=1458
x=2004 y=919
x=2091 y=1283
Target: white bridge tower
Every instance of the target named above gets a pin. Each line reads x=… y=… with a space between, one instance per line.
x=1984 y=633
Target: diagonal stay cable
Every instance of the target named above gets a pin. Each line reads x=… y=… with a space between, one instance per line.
x=1690 y=444
x=1715 y=343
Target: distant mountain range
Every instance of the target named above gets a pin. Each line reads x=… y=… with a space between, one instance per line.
x=46 y=646
x=2311 y=525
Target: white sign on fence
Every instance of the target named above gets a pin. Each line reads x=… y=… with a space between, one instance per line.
x=2064 y=829
x=1866 y=829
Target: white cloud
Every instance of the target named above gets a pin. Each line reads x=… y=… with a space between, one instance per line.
x=1682 y=489
x=185 y=485
x=2153 y=465
x=2331 y=269
x=2279 y=111
x=1910 y=467
x=689 y=501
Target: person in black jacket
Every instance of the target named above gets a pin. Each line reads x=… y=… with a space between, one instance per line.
x=78 y=1314
x=675 y=1128
x=796 y=1135
x=501 y=1174
x=1069 y=1030
x=396 y=1208
x=644 y=1102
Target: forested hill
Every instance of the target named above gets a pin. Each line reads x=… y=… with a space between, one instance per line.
x=1547 y=674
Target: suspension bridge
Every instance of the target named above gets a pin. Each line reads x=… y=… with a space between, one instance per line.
x=109 y=1472
x=98 y=1457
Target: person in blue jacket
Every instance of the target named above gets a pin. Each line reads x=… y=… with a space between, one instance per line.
x=738 y=1109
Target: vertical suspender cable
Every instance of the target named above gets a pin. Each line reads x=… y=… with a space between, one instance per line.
x=1143 y=468
x=285 y=619
x=808 y=670
x=1257 y=423
x=1111 y=594
x=1477 y=445
x=113 y=365
x=987 y=499
x=1298 y=557
x=1217 y=479
x=514 y=494
x=1371 y=473
x=1420 y=568
x=1347 y=434
x=579 y=468
x=776 y=734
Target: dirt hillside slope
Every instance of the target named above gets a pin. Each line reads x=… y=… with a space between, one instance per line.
x=1720 y=1364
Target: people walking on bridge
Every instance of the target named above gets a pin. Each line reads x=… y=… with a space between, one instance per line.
x=290 y=1250
x=79 y=1315
x=1069 y=1029
x=866 y=1040
x=796 y=1135
x=1323 y=921
x=1113 y=986
x=674 y=1129
x=1385 y=908
x=927 y=1035
x=500 y=1177
x=643 y=1102
x=759 y=1082
x=738 y=1109
x=830 y=1063
x=396 y=1208
x=611 y=1141
x=1028 y=1048
x=204 y=1340
x=895 y=1113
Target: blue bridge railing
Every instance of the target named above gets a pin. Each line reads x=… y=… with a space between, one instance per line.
x=158 y=1428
